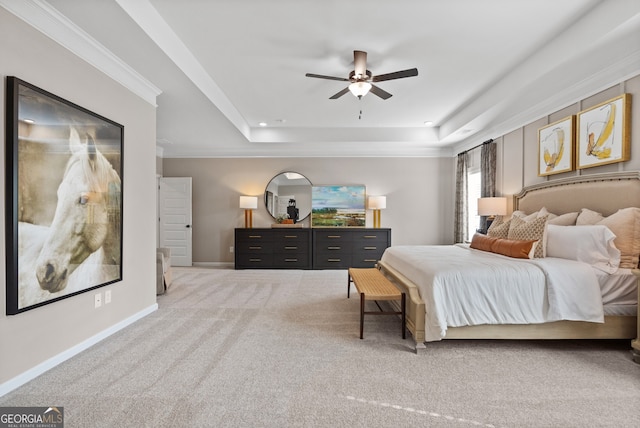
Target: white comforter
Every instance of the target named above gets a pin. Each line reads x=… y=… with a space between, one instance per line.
x=462 y=286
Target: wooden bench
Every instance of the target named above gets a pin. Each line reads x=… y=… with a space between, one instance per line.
x=373 y=285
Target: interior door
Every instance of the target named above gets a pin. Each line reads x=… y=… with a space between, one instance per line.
x=175 y=218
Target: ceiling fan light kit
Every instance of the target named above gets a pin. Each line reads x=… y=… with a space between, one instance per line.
x=359 y=89
x=361 y=78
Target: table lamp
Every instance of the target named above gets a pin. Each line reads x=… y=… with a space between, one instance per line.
x=377 y=203
x=248 y=203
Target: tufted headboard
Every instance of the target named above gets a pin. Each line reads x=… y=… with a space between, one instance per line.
x=604 y=193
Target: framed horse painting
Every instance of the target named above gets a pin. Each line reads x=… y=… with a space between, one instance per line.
x=63 y=198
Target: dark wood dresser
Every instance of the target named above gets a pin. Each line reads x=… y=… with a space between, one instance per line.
x=273 y=248
x=309 y=248
x=342 y=248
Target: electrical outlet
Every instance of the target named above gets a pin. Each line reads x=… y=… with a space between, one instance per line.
x=98 y=300
x=107 y=297
x=231 y=249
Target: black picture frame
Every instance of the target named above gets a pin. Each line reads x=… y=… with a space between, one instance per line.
x=63 y=198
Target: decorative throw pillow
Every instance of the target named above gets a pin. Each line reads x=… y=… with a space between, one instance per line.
x=524 y=216
x=506 y=247
x=499 y=228
x=625 y=224
x=531 y=230
x=568 y=219
x=588 y=216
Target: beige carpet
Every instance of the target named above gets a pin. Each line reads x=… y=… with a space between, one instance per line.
x=281 y=349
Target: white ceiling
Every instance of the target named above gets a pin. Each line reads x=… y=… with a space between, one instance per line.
x=222 y=66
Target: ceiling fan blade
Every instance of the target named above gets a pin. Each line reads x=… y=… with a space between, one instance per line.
x=339 y=94
x=379 y=92
x=360 y=63
x=396 y=75
x=320 y=76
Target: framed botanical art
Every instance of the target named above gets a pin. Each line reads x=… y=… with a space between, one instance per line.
x=63 y=198
x=556 y=143
x=604 y=133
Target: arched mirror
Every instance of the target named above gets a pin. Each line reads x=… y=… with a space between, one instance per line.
x=288 y=193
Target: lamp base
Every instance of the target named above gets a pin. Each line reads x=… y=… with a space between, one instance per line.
x=376 y=219
x=248 y=219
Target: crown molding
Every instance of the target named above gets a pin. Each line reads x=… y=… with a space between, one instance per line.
x=46 y=19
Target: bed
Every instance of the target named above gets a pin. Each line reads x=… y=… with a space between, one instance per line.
x=412 y=269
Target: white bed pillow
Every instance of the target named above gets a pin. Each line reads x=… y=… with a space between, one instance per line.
x=588 y=244
x=625 y=224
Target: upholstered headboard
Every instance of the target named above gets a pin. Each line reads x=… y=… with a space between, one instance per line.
x=604 y=193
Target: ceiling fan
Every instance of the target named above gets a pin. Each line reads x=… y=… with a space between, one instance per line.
x=361 y=78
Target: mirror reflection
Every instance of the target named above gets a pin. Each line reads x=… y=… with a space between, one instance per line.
x=288 y=194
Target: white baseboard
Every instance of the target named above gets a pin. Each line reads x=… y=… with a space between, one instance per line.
x=218 y=265
x=36 y=371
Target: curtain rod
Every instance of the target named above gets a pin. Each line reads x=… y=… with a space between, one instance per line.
x=490 y=140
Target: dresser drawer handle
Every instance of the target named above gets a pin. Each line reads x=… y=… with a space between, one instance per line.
x=290 y=260
x=291 y=236
x=370 y=248
x=370 y=236
x=255 y=260
x=290 y=248
x=255 y=236
x=370 y=260
x=333 y=260
x=334 y=236
x=333 y=248
x=255 y=248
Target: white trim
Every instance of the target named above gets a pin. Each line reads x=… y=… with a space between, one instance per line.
x=216 y=265
x=46 y=19
x=36 y=371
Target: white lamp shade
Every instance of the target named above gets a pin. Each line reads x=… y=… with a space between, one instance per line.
x=492 y=206
x=249 y=202
x=359 y=89
x=377 y=202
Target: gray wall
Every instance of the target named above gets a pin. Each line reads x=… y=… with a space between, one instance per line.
x=419 y=195
x=35 y=336
x=518 y=150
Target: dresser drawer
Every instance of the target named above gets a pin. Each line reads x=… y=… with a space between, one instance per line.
x=254 y=247
x=331 y=261
x=291 y=261
x=254 y=261
x=291 y=242
x=365 y=258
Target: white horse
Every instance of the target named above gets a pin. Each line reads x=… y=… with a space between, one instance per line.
x=87 y=216
x=31 y=239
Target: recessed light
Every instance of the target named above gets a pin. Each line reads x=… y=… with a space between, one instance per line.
x=29 y=120
x=428 y=123
x=263 y=124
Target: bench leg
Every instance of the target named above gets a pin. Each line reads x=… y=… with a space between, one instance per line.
x=348 y=285
x=404 y=318
x=362 y=300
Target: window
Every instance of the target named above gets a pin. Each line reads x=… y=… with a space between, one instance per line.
x=474 y=189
